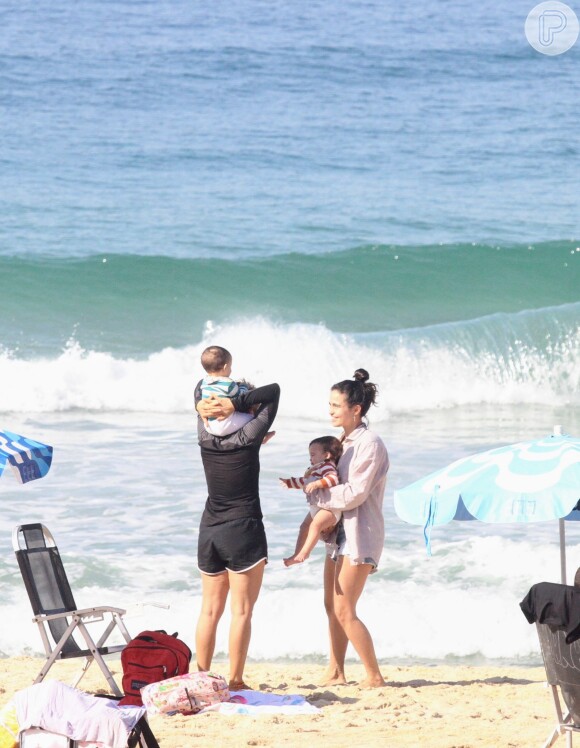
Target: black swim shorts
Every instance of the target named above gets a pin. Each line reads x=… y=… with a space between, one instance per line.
x=236 y=545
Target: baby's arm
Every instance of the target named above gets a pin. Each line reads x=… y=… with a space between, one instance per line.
x=328 y=480
x=292 y=482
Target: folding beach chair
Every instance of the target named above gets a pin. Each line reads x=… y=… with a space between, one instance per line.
x=55 y=609
x=562 y=663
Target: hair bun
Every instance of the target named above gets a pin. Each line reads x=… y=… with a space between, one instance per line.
x=361 y=375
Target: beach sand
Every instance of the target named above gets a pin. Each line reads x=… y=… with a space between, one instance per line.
x=440 y=706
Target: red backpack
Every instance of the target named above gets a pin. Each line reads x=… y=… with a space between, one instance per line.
x=150 y=657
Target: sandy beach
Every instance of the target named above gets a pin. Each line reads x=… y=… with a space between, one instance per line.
x=441 y=706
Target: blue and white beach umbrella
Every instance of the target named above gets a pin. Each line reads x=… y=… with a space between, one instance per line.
x=28 y=459
x=531 y=481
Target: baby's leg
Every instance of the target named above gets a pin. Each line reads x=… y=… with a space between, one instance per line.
x=322 y=520
x=300 y=540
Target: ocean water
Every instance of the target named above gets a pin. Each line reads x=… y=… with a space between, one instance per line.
x=316 y=187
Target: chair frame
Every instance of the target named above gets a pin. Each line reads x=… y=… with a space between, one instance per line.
x=559 y=658
x=77 y=619
x=564 y=725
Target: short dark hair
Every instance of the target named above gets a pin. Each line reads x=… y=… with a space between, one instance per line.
x=329 y=444
x=215 y=358
x=358 y=391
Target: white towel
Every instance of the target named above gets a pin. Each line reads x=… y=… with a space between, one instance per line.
x=65 y=710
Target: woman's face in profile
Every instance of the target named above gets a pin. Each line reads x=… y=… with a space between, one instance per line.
x=341 y=413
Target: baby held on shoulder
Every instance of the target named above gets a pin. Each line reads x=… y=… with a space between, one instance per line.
x=325 y=452
x=217 y=363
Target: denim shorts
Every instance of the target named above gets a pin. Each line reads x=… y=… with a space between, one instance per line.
x=342 y=551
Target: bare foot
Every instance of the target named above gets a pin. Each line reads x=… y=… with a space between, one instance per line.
x=297 y=558
x=291 y=560
x=268 y=436
x=376 y=681
x=238 y=685
x=333 y=678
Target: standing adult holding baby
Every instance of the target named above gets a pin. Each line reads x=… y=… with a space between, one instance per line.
x=232 y=547
x=362 y=469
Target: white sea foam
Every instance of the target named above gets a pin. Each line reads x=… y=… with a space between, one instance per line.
x=127 y=531
x=126 y=489
x=438 y=367
x=461 y=602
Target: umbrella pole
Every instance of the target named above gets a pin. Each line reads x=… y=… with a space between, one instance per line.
x=562 y=551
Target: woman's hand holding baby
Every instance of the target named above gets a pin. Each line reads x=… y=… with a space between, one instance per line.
x=215 y=407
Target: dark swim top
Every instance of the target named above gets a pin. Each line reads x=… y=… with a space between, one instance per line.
x=232 y=463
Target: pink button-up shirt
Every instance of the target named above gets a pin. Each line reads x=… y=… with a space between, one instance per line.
x=363 y=476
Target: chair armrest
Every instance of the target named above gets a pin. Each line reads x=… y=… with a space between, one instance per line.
x=100 y=609
x=81 y=613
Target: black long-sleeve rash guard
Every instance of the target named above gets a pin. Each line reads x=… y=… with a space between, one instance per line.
x=232 y=463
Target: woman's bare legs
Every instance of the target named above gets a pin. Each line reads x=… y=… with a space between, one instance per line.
x=349 y=584
x=245 y=588
x=338 y=639
x=214 y=594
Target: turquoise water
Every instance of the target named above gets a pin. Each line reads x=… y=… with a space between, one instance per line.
x=135 y=304
x=317 y=187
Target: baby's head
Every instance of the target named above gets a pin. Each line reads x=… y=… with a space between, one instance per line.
x=217 y=361
x=325 y=448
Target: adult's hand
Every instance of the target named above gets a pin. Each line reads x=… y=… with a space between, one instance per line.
x=215 y=407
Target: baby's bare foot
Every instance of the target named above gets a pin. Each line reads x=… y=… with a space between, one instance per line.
x=291 y=560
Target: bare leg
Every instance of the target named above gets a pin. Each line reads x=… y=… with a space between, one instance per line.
x=322 y=520
x=214 y=594
x=350 y=582
x=337 y=638
x=245 y=588
x=300 y=540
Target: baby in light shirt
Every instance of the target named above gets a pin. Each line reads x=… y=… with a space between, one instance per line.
x=325 y=452
x=217 y=362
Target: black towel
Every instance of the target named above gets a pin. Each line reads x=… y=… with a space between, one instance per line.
x=557 y=605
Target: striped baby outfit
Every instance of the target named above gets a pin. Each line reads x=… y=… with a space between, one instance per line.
x=221 y=387
x=324 y=471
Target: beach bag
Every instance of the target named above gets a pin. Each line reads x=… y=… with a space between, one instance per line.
x=185 y=694
x=150 y=657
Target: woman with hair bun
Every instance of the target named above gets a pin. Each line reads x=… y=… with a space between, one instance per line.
x=360 y=535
